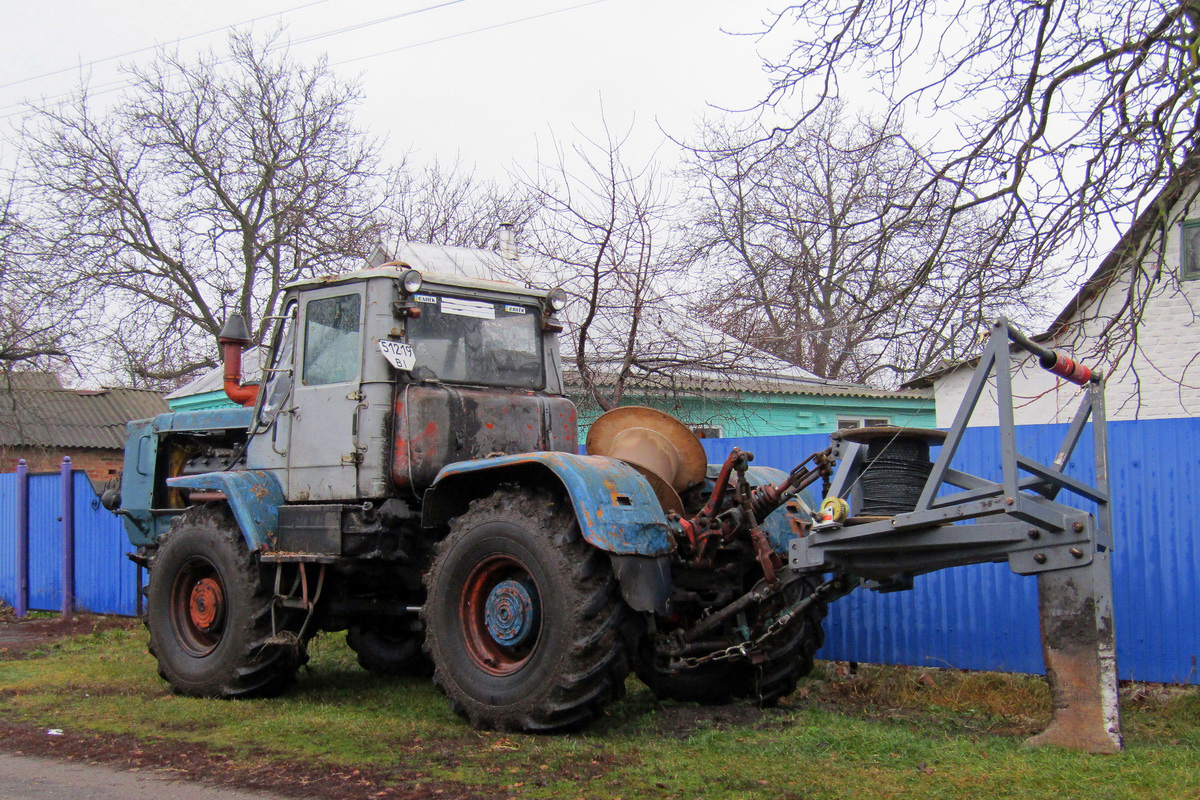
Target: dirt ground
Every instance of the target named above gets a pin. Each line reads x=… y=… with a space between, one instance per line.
x=19 y=636
x=188 y=761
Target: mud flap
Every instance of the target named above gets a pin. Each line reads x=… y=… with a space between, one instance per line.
x=1079 y=648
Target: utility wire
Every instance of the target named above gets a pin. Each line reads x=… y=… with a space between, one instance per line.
x=469 y=33
x=16 y=109
x=155 y=46
x=370 y=23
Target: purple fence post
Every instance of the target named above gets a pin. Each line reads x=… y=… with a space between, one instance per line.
x=68 y=539
x=22 y=538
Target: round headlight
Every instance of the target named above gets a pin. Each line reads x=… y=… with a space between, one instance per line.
x=558 y=298
x=412 y=281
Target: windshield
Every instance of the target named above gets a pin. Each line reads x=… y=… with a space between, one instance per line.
x=479 y=342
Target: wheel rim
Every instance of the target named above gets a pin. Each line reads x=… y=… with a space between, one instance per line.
x=501 y=615
x=198 y=607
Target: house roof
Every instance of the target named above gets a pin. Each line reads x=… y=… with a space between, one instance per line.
x=1122 y=255
x=57 y=417
x=926 y=380
x=746 y=380
x=1154 y=216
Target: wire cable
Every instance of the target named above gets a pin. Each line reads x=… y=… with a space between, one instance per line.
x=156 y=46
x=469 y=33
x=16 y=109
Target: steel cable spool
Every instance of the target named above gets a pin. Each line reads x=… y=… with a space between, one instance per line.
x=896 y=466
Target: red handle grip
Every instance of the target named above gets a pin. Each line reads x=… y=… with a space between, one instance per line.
x=1069 y=369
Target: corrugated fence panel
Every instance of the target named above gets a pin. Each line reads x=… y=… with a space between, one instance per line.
x=105 y=580
x=45 y=542
x=985 y=617
x=8 y=538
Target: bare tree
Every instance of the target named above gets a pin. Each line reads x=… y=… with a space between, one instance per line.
x=819 y=250
x=607 y=235
x=1068 y=117
x=37 y=317
x=199 y=193
x=449 y=205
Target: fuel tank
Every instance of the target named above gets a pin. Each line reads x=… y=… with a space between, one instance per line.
x=439 y=425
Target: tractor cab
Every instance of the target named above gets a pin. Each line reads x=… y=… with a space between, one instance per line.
x=377 y=379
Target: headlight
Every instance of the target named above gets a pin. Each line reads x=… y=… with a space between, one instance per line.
x=558 y=298
x=412 y=281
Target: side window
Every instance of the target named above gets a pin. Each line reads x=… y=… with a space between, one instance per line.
x=331 y=339
x=848 y=423
x=1189 y=250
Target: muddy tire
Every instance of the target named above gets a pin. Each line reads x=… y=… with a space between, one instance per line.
x=209 y=613
x=524 y=620
x=386 y=652
x=788 y=658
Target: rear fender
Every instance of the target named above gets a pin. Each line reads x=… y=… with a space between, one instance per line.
x=615 y=506
x=254 y=497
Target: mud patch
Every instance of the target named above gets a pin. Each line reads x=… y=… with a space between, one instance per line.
x=261 y=772
x=20 y=638
x=682 y=720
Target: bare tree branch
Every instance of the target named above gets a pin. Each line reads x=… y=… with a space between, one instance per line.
x=200 y=193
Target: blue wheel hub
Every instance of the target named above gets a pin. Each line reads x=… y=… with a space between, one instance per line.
x=510 y=613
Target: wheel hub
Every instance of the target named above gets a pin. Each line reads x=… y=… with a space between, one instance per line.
x=509 y=613
x=206 y=606
x=500 y=611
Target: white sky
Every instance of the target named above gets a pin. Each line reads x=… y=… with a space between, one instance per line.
x=488 y=97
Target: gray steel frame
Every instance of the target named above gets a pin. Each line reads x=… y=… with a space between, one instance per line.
x=1016 y=519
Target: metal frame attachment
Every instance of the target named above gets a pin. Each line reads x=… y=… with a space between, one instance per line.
x=1016 y=519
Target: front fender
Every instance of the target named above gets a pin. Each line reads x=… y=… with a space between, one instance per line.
x=254 y=497
x=615 y=506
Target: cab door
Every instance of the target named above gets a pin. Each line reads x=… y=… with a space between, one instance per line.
x=322 y=455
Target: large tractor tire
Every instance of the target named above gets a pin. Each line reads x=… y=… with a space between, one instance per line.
x=787 y=658
x=209 y=613
x=385 y=651
x=524 y=619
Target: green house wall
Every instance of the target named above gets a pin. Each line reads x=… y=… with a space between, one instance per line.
x=761 y=414
x=736 y=414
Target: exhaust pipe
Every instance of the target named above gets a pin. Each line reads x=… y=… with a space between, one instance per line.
x=233 y=338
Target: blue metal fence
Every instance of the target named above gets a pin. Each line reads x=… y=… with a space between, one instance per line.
x=985 y=617
x=105 y=581
x=981 y=617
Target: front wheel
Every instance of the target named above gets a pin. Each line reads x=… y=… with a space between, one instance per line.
x=209 y=613
x=524 y=620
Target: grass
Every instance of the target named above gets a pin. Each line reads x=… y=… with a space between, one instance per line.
x=884 y=732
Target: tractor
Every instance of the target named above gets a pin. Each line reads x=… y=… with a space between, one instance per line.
x=408 y=470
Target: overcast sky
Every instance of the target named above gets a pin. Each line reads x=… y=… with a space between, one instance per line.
x=484 y=80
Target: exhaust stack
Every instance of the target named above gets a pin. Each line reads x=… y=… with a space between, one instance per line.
x=233 y=338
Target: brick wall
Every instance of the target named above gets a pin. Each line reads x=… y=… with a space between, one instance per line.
x=100 y=465
x=1159 y=379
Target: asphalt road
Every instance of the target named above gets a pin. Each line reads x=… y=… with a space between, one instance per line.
x=29 y=778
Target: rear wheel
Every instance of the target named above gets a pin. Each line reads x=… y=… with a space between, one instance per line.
x=388 y=651
x=209 y=613
x=525 y=623
x=787 y=657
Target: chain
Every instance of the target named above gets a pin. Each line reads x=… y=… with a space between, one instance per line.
x=834 y=586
